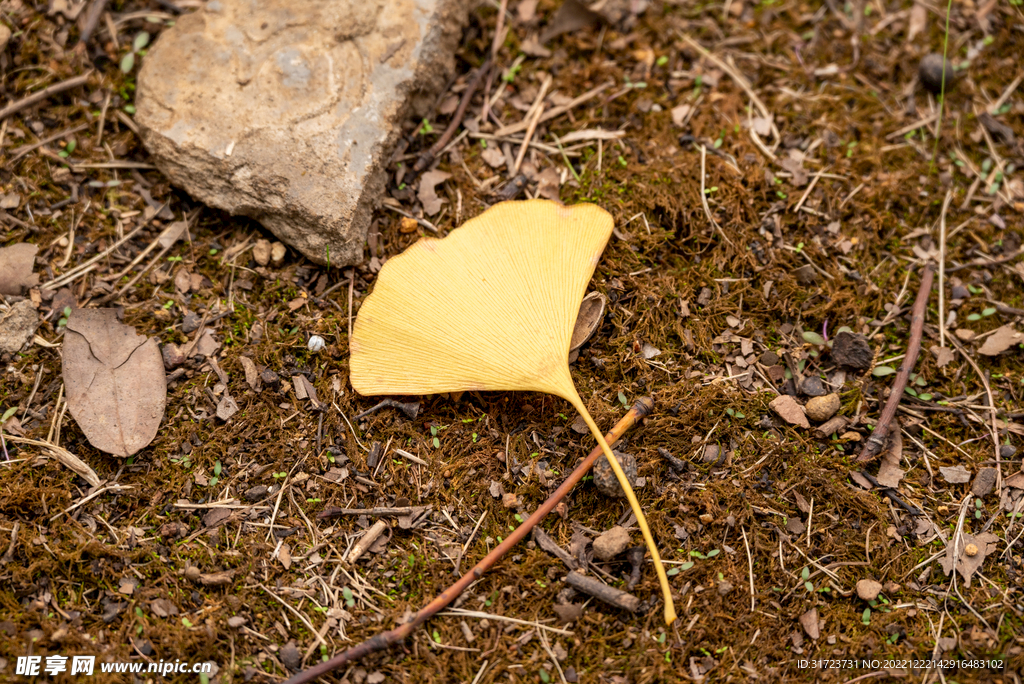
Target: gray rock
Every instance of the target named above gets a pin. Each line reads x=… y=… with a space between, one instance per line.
x=1007 y=451
x=869 y=589
x=960 y=292
x=288 y=111
x=932 y=74
x=852 y=351
x=812 y=386
x=604 y=476
x=611 y=543
x=984 y=482
x=17 y=326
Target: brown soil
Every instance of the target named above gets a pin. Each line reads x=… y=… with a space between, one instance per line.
x=100 y=578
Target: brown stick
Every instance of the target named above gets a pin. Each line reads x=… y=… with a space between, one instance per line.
x=25 y=102
x=427 y=157
x=610 y=595
x=876 y=442
x=384 y=640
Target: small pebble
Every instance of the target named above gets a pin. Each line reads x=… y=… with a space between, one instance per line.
x=316 y=343
x=1007 y=451
x=812 y=386
x=931 y=72
x=971 y=550
x=261 y=252
x=960 y=292
x=611 y=543
x=868 y=589
x=604 y=476
x=852 y=351
x=821 y=409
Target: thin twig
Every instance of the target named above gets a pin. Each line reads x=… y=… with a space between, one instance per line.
x=750 y=566
x=704 y=197
x=532 y=116
x=386 y=639
x=876 y=441
x=942 y=268
x=554 y=111
x=26 y=102
x=427 y=157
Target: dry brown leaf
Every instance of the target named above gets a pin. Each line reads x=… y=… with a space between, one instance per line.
x=428 y=192
x=588 y=321
x=1001 y=340
x=115 y=382
x=943 y=355
x=809 y=621
x=889 y=473
x=573 y=15
x=967 y=565
x=252 y=375
x=493 y=157
x=16 y=263
x=789 y=410
x=955 y=475
x=679 y=114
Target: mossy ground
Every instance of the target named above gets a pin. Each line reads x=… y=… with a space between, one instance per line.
x=64 y=583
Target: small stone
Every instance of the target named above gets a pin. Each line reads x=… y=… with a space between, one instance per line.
x=1007 y=451
x=933 y=70
x=255 y=493
x=509 y=500
x=236 y=621
x=611 y=543
x=277 y=252
x=724 y=587
x=769 y=358
x=270 y=378
x=821 y=409
x=891 y=587
x=852 y=350
x=965 y=334
x=984 y=482
x=869 y=589
x=17 y=326
x=789 y=410
x=261 y=252
x=960 y=292
x=971 y=550
x=711 y=452
x=806 y=275
x=850 y=436
x=289 y=112
x=291 y=656
x=812 y=386
x=604 y=476
x=190 y=323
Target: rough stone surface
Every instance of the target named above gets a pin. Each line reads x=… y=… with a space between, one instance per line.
x=869 y=589
x=611 y=543
x=821 y=409
x=18 y=326
x=287 y=111
x=984 y=482
x=604 y=476
x=852 y=351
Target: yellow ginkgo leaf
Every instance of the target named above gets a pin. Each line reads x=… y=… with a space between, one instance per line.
x=490 y=307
